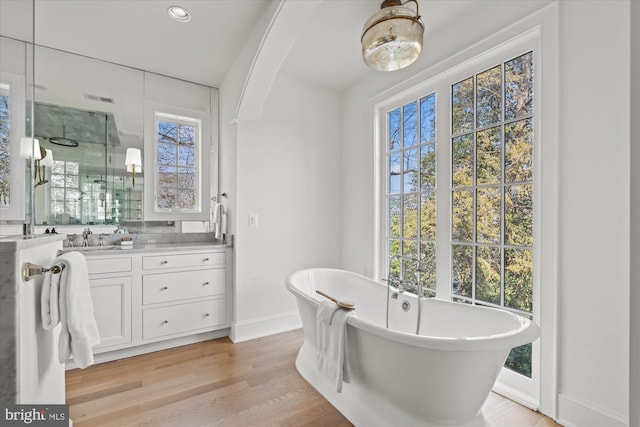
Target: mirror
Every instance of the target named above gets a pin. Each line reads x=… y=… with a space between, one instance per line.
x=87 y=112
x=16 y=96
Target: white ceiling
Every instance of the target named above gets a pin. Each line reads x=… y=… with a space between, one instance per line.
x=140 y=34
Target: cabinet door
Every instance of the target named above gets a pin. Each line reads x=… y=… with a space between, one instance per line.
x=112 y=310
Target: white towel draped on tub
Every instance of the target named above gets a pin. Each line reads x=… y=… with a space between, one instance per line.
x=333 y=359
x=79 y=329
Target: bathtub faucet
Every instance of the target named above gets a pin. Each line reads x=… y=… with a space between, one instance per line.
x=400 y=284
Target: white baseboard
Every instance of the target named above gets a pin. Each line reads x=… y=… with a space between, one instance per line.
x=576 y=412
x=149 y=348
x=516 y=395
x=264 y=326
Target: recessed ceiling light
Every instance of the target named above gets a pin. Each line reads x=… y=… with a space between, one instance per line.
x=179 y=13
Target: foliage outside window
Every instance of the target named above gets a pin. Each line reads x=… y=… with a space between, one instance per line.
x=178 y=142
x=492 y=191
x=411 y=197
x=5 y=152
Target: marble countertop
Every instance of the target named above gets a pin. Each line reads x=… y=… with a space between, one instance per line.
x=14 y=243
x=147 y=247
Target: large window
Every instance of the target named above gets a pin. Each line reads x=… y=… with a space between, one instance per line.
x=5 y=146
x=66 y=197
x=489 y=190
x=411 y=197
x=178 y=151
x=492 y=191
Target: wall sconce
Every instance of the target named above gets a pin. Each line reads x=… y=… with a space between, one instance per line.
x=133 y=162
x=29 y=147
x=392 y=38
x=46 y=159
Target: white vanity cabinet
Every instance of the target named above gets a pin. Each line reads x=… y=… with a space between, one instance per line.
x=149 y=300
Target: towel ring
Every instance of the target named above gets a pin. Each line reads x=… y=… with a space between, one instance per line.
x=218 y=197
x=29 y=270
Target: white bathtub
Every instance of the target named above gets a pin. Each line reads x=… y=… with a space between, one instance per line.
x=440 y=377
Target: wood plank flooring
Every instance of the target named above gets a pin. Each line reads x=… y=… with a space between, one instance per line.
x=218 y=383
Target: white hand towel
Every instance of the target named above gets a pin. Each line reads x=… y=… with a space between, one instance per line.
x=219 y=221
x=333 y=359
x=49 y=300
x=79 y=329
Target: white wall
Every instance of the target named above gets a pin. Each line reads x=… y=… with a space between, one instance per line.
x=282 y=162
x=593 y=358
x=634 y=400
x=40 y=374
x=230 y=95
x=288 y=173
x=594 y=213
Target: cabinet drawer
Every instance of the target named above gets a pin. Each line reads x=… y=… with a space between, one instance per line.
x=165 y=287
x=158 y=322
x=108 y=265
x=205 y=259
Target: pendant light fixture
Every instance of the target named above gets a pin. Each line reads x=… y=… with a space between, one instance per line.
x=63 y=140
x=392 y=38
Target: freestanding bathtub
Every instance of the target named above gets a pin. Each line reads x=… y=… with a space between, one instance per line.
x=441 y=377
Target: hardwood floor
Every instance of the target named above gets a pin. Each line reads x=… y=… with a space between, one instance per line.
x=218 y=383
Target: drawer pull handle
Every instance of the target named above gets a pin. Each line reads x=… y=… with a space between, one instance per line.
x=164 y=322
x=164 y=288
x=164 y=262
x=205 y=284
x=206 y=315
x=205 y=260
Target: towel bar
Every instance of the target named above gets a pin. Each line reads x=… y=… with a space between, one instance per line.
x=29 y=270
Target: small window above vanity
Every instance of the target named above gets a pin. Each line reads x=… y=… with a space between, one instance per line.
x=180 y=145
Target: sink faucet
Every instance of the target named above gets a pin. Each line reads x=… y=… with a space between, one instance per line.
x=85 y=235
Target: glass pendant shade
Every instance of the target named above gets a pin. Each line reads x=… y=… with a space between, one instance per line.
x=392 y=38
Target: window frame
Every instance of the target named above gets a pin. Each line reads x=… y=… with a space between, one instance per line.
x=203 y=162
x=501 y=185
x=498 y=48
x=52 y=214
x=419 y=192
x=16 y=210
x=179 y=121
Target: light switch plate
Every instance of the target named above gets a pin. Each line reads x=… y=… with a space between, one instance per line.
x=253 y=220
